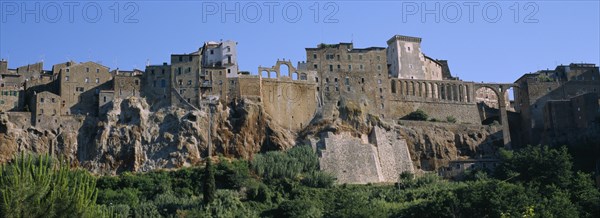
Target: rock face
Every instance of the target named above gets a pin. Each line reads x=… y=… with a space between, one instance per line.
x=133 y=138
x=356 y=146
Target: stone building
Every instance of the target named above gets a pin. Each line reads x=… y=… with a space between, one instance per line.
x=562 y=83
x=186 y=78
x=406 y=61
x=125 y=84
x=156 y=85
x=80 y=86
x=351 y=76
x=46 y=109
x=221 y=54
x=11 y=98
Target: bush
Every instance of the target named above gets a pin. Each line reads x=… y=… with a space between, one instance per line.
x=282 y=165
x=417 y=115
x=299 y=208
x=318 y=179
x=451 y=119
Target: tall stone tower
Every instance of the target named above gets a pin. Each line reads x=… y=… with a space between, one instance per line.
x=405 y=59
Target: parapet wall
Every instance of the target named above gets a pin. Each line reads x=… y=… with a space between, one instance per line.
x=463 y=112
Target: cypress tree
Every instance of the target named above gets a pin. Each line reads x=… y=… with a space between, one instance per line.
x=209 y=188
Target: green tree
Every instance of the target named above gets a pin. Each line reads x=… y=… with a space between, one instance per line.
x=209 y=187
x=538 y=164
x=39 y=186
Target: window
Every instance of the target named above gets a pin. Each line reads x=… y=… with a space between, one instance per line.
x=137 y=82
x=337 y=89
x=338 y=57
x=179 y=70
x=190 y=58
x=349 y=57
x=181 y=91
x=335 y=79
x=67 y=70
x=66 y=78
x=362 y=80
x=97 y=80
x=361 y=67
x=180 y=59
x=212 y=51
x=379 y=67
x=180 y=82
x=339 y=67
x=189 y=69
x=189 y=82
x=152 y=72
x=347 y=82
x=163 y=83
x=228 y=71
x=104 y=98
x=317 y=79
x=228 y=49
x=87 y=80
x=163 y=71
x=53 y=100
x=314 y=55
x=87 y=69
x=349 y=67
x=41 y=100
x=378 y=81
x=330 y=67
x=378 y=57
x=326 y=80
x=41 y=112
x=359 y=57
x=97 y=70
x=316 y=66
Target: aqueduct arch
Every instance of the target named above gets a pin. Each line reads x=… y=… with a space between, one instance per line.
x=500 y=91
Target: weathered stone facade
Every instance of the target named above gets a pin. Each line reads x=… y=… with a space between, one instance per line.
x=536 y=89
x=80 y=85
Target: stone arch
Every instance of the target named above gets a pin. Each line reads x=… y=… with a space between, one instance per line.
x=401 y=87
x=264 y=74
x=295 y=76
x=273 y=75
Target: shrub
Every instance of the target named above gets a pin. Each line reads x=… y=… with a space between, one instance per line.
x=318 y=179
x=299 y=208
x=451 y=119
x=417 y=115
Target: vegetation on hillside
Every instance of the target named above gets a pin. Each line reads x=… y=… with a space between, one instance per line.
x=536 y=181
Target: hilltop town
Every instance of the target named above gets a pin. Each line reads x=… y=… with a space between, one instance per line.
x=354 y=106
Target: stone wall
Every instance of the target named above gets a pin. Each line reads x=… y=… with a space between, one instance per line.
x=380 y=157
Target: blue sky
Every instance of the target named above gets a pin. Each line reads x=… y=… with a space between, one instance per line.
x=480 y=44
